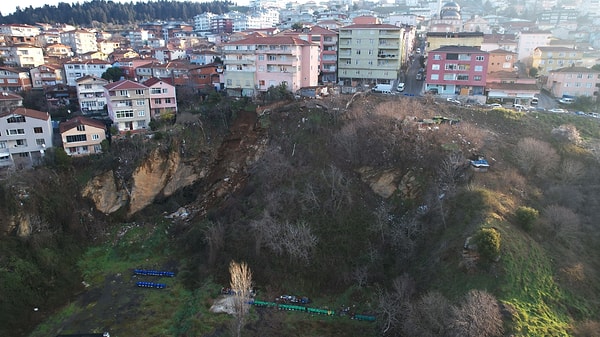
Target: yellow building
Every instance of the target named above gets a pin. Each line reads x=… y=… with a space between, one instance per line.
x=546 y=59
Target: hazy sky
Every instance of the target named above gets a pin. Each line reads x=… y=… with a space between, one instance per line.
x=9 y=6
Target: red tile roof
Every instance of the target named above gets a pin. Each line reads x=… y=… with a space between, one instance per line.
x=9 y=96
x=80 y=120
x=152 y=81
x=124 y=85
x=276 y=40
x=28 y=113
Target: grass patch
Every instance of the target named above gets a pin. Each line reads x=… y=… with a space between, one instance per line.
x=49 y=326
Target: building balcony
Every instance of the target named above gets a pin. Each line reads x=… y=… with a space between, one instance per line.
x=235 y=61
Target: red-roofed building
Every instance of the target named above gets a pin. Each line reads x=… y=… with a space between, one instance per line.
x=163 y=98
x=327 y=40
x=14 y=79
x=46 y=75
x=90 y=94
x=206 y=78
x=254 y=64
x=82 y=136
x=24 y=136
x=9 y=101
x=128 y=105
x=501 y=60
x=76 y=69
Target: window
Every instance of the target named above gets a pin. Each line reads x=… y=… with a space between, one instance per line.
x=579 y=75
x=125 y=114
x=76 y=138
x=123 y=93
x=479 y=58
x=139 y=92
x=95 y=136
x=141 y=124
x=229 y=82
x=272 y=58
x=87 y=86
x=97 y=148
x=477 y=78
x=435 y=76
x=450 y=66
x=435 y=67
x=261 y=83
x=437 y=57
x=140 y=102
x=16 y=119
x=12 y=132
x=141 y=113
x=358 y=52
x=154 y=91
x=80 y=127
x=478 y=68
x=462 y=77
x=261 y=57
x=157 y=101
x=165 y=90
x=167 y=100
x=40 y=141
x=448 y=77
x=3 y=144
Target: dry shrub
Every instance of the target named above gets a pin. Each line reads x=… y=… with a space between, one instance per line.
x=562 y=222
x=574 y=273
x=571 y=170
x=536 y=157
x=478 y=315
x=567 y=133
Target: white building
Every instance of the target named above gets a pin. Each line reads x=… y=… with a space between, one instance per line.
x=77 y=69
x=81 y=41
x=90 y=93
x=25 y=136
x=128 y=105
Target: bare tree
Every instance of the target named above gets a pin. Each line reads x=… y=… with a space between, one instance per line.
x=298 y=241
x=450 y=171
x=394 y=305
x=571 y=170
x=338 y=188
x=536 y=157
x=478 y=316
x=214 y=236
x=429 y=316
x=562 y=221
x=241 y=285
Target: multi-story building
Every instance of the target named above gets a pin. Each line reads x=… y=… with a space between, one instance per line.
x=511 y=87
x=46 y=75
x=163 y=98
x=437 y=40
x=546 y=59
x=19 y=33
x=327 y=41
x=257 y=63
x=138 y=37
x=14 y=79
x=457 y=70
x=169 y=54
x=206 y=78
x=499 y=41
x=59 y=50
x=9 y=101
x=202 y=22
x=26 y=134
x=77 y=69
x=90 y=94
x=128 y=105
x=501 y=60
x=176 y=71
x=108 y=46
x=81 y=41
x=130 y=64
x=203 y=56
x=82 y=136
x=527 y=41
x=573 y=82
x=22 y=55
x=369 y=53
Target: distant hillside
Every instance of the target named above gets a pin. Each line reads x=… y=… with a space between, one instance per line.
x=109 y=12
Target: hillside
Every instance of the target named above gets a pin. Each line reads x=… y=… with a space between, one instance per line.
x=360 y=205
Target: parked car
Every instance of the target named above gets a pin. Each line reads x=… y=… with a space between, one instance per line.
x=401 y=86
x=453 y=100
x=558 y=110
x=495 y=105
x=566 y=100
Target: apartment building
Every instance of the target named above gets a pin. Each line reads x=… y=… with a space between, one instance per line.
x=163 y=97
x=528 y=40
x=46 y=75
x=546 y=59
x=14 y=79
x=76 y=69
x=457 y=70
x=369 y=53
x=81 y=41
x=25 y=134
x=437 y=40
x=19 y=33
x=327 y=41
x=501 y=60
x=9 y=101
x=128 y=105
x=82 y=136
x=22 y=55
x=90 y=94
x=255 y=64
x=573 y=82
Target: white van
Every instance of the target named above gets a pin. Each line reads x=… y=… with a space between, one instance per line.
x=383 y=88
x=534 y=101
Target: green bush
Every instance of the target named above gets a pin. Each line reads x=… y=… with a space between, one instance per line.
x=488 y=243
x=526 y=216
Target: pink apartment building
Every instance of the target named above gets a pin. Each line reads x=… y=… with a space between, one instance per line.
x=573 y=82
x=162 y=97
x=255 y=64
x=457 y=70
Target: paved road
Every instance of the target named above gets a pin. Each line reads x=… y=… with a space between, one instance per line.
x=412 y=86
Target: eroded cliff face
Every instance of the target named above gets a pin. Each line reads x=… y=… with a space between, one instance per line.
x=104 y=192
x=159 y=174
